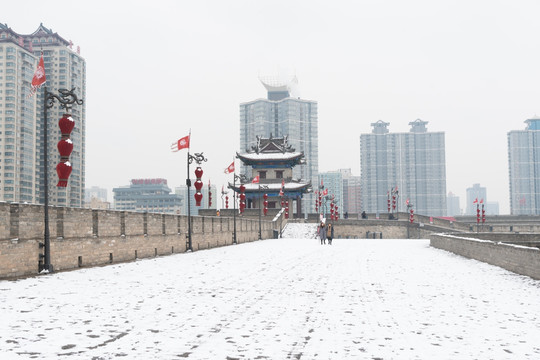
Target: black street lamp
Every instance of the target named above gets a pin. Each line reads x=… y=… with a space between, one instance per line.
x=66 y=99
x=198 y=158
x=243 y=179
x=264 y=187
x=411 y=219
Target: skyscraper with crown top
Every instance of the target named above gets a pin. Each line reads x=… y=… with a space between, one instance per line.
x=284 y=113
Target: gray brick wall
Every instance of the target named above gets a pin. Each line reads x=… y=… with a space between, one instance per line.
x=86 y=237
x=518 y=259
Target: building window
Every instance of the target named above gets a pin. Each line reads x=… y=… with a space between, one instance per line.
x=262 y=174
x=279 y=174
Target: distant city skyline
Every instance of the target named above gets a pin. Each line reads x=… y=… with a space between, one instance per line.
x=469 y=68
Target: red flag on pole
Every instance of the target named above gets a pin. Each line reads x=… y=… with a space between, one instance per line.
x=325 y=192
x=282 y=189
x=230 y=168
x=183 y=143
x=475 y=201
x=39 y=77
x=481 y=201
x=255 y=180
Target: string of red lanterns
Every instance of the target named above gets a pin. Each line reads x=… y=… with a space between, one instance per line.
x=198 y=186
x=242 y=198
x=65 y=147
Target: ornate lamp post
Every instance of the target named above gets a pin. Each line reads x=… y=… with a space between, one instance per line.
x=411 y=216
x=66 y=99
x=260 y=209
x=242 y=179
x=198 y=158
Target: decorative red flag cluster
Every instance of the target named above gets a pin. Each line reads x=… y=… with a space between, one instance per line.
x=198 y=186
x=65 y=147
x=265 y=203
x=242 y=198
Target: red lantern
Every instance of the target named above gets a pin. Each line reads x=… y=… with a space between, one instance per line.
x=63 y=170
x=198 y=198
x=65 y=147
x=198 y=172
x=66 y=124
x=242 y=188
x=198 y=185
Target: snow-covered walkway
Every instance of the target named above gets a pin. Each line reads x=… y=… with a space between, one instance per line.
x=289 y=298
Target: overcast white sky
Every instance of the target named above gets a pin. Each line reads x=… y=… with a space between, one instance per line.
x=155 y=69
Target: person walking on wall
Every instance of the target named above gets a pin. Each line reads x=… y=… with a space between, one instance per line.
x=322 y=233
x=330 y=233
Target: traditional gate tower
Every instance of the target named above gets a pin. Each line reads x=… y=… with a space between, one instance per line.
x=272 y=161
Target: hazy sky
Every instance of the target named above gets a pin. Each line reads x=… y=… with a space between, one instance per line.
x=155 y=69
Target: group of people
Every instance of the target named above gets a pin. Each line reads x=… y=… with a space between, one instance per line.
x=326 y=232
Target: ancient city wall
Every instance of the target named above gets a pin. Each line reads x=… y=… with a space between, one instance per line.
x=519 y=259
x=86 y=237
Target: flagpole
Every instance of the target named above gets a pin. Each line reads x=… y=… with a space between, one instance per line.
x=188 y=183
x=234 y=205
x=46 y=266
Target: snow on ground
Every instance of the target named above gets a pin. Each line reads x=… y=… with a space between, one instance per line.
x=287 y=298
x=300 y=231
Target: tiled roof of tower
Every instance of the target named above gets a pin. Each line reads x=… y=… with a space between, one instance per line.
x=271 y=150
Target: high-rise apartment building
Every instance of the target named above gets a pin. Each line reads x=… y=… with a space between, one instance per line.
x=284 y=114
x=475 y=195
x=21 y=117
x=524 y=169
x=452 y=205
x=352 y=203
x=412 y=162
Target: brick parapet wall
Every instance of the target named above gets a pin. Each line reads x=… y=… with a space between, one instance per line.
x=518 y=259
x=86 y=237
